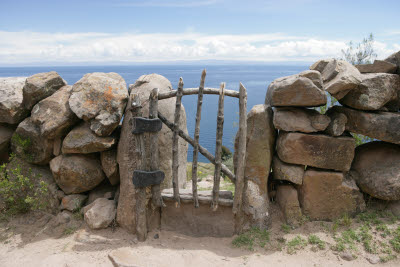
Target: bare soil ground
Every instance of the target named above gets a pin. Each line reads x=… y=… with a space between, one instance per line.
x=27 y=241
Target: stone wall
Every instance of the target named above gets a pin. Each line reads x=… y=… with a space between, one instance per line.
x=298 y=153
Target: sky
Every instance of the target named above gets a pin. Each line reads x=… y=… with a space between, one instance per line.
x=71 y=32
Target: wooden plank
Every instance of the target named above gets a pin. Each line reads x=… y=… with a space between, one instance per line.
x=241 y=159
x=175 y=145
x=218 y=148
x=144 y=125
x=142 y=179
x=154 y=163
x=195 y=91
x=196 y=139
x=202 y=150
x=141 y=201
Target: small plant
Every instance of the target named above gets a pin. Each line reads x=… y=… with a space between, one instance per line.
x=395 y=241
x=249 y=239
x=286 y=228
x=69 y=230
x=362 y=53
x=315 y=240
x=295 y=244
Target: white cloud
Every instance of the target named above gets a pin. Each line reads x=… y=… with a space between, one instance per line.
x=21 y=48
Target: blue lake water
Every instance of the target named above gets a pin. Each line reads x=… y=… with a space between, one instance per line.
x=255 y=78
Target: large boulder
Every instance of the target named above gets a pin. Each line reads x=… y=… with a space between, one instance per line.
x=260 y=145
x=129 y=157
x=340 y=77
x=110 y=165
x=375 y=91
x=101 y=99
x=53 y=114
x=376 y=169
x=100 y=213
x=304 y=120
x=28 y=144
x=394 y=59
x=82 y=140
x=288 y=200
x=383 y=126
x=40 y=86
x=36 y=174
x=295 y=90
x=337 y=126
x=326 y=195
x=6 y=133
x=287 y=172
x=379 y=66
x=12 y=109
x=76 y=174
x=317 y=150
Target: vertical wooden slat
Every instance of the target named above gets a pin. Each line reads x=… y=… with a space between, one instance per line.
x=141 y=217
x=196 y=139
x=175 y=150
x=154 y=156
x=241 y=159
x=218 y=147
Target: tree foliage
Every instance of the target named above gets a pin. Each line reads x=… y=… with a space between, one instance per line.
x=361 y=53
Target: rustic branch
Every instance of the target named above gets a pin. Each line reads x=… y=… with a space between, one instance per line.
x=202 y=150
x=241 y=159
x=196 y=139
x=194 y=91
x=218 y=147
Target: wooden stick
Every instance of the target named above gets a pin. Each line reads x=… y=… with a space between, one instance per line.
x=175 y=145
x=141 y=217
x=218 y=148
x=195 y=91
x=196 y=139
x=154 y=163
x=202 y=150
x=241 y=159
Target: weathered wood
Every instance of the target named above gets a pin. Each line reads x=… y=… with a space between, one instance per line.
x=202 y=150
x=218 y=147
x=144 y=125
x=195 y=91
x=196 y=139
x=175 y=148
x=154 y=164
x=141 y=201
x=241 y=152
x=202 y=200
x=142 y=179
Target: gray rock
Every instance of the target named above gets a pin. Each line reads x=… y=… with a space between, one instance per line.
x=337 y=126
x=110 y=165
x=347 y=256
x=383 y=126
x=260 y=150
x=82 y=140
x=53 y=115
x=394 y=59
x=40 y=86
x=340 y=77
x=73 y=202
x=376 y=169
x=327 y=195
x=373 y=259
x=314 y=76
x=100 y=214
x=76 y=174
x=101 y=99
x=12 y=109
x=320 y=64
x=124 y=257
x=375 y=91
x=294 y=91
x=379 y=66
x=321 y=151
x=287 y=172
x=299 y=119
x=28 y=144
x=394 y=207
x=6 y=133
x=288 y=201
x=129 y=160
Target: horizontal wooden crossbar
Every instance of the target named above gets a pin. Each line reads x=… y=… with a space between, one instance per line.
x=202 y=150
x=195 y=91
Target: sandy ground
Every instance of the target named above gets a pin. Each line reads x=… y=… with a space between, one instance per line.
x=24 y=243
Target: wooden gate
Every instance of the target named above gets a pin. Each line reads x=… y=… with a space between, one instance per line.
x=146 y=132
